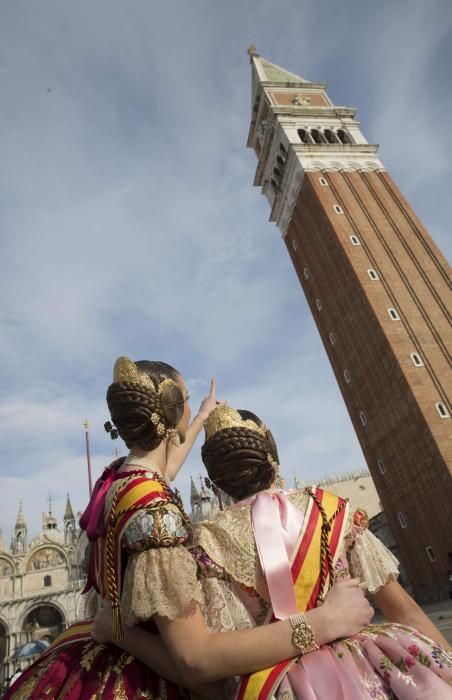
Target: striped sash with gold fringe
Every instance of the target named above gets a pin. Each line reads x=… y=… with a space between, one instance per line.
x=307 y=578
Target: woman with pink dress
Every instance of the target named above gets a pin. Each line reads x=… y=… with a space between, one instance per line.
x=141 y=567
x=278 y=555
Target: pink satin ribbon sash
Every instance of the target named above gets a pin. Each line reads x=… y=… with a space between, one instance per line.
x=276 y=526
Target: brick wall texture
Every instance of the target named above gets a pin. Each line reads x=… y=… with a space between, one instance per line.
x=394 y=398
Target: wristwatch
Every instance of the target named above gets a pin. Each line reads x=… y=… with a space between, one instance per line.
x=303 y=634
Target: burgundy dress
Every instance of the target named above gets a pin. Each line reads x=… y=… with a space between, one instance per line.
x=141 y=513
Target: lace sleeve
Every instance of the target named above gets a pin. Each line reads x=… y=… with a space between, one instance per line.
x=160 y=581
x=371 y=560
x=222 y=608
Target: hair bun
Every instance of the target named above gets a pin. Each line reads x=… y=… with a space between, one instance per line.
x=236 y=461
x=272 y=445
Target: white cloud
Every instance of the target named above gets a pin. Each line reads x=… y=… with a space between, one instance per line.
x=129 y=224
x=409 y=109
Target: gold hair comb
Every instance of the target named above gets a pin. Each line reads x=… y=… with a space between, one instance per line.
x=225 y=416
x=126 y=371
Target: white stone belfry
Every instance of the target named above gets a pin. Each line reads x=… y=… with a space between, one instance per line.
x=295 y=128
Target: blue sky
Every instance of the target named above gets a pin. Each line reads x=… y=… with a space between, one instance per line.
x=129 y=224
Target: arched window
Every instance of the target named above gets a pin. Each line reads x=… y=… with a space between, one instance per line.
x=47 y=580
x=330 y=136
x=317 y=136
x=282 y=148
x=302 y=133
x=44 y=616
x=274 y=184
x=343 y=136
x=430 y=553
x=279 y=160
x=442 y=409
x=417 y=359
x=393 y=315
x=402 y=520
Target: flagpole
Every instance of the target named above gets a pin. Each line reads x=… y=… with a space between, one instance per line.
x=88 y=458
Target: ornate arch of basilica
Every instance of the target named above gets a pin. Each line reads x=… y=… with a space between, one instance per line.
x=41 y=585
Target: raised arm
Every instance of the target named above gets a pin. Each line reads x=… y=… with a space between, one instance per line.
x=176 y=456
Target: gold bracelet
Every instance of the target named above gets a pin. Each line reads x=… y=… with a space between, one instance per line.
x=303 y=634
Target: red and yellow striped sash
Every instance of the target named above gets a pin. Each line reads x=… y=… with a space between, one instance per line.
x=306 y=578
x=79 y=631
x=136 y=494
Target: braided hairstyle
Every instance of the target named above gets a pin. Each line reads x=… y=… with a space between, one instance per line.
x=134 y=408
x=237 y=461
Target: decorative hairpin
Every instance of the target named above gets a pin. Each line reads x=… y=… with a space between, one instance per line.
x=111 y=430
x=126 y=371
x=225 y=416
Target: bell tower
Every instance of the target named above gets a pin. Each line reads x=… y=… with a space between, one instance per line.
x=379 y=291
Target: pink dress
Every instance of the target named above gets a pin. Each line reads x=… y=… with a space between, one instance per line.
x=383 y=661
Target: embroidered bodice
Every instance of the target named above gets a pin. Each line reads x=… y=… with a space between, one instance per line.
x=225 y=550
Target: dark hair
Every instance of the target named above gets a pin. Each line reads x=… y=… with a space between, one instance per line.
x=132 y=405
x=236 y=458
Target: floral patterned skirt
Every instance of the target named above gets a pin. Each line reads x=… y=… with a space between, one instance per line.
x=86 y=670
x=383 y=662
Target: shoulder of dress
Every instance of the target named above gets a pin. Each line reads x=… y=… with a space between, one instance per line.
x=140 y=490
x=225 y=520
x=228 y=541
x=156 y=525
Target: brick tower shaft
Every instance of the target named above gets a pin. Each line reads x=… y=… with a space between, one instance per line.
x=379 y=291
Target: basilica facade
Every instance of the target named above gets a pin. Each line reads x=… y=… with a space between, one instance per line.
x=41 y=584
